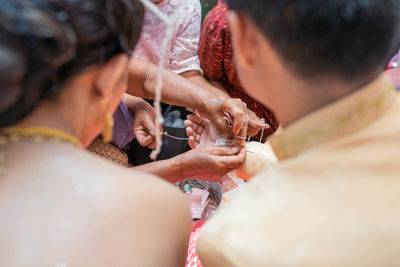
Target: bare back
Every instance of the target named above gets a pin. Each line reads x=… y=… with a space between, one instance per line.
x=61 y=205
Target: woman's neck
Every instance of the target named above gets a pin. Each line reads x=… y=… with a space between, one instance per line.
x=50 y=115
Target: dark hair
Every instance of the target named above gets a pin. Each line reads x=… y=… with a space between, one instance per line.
x=43 y=43
x=340 y=39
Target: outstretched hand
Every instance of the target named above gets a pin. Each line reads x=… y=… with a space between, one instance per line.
x=196 y=128
x=210 y=163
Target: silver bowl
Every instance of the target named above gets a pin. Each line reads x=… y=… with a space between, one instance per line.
x=215 y=190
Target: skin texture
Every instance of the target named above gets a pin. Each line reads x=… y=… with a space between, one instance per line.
x=191 y=95
x=206 y=163
x=61 y=205
x=254 y=123
x=143 y=125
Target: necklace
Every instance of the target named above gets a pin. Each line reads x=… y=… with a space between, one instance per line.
x=35 y=133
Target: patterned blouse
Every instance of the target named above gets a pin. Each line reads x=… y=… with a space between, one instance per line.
x=216 y=60
x=182 y=50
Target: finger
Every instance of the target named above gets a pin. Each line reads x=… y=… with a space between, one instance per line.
x=255 y=125
x=191 y=133
x=144 y=139
x=198 y=120
x=233 y=161
x=197 y=128
x=152 y=145
x=150 y=126
x=253 y=128
x=238 y=111
x=192 y=142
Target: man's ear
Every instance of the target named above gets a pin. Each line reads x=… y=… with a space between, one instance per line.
x=110 y=75
x=244 y=40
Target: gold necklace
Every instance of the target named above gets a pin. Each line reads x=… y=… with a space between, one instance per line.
x=36 y=133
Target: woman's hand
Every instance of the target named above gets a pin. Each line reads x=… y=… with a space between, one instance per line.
x=210 y=163
x=144 y=126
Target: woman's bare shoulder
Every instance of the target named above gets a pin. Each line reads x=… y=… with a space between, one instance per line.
x=114 y=216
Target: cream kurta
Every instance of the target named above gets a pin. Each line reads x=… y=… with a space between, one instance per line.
x=334 y=200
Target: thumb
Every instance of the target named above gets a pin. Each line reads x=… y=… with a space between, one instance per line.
x=150 y=126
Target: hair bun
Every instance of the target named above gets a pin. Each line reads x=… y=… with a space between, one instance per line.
x=34 y=44
x=55 y=40
x=12 y=73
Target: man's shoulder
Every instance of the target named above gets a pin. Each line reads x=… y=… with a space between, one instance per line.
x=314 y=216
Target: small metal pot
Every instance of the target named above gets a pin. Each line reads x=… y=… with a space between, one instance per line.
x=215 y=190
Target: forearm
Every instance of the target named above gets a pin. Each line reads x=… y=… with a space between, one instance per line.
x=176 y=90
x=133 y=103
x=170 y=170
x=214 y=87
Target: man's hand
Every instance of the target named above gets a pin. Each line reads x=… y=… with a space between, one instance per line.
x=210 y=163
x=254 y=123
x=243 y=122
x=144 y=126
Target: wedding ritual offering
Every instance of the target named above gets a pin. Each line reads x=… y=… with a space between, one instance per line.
x=204 y=197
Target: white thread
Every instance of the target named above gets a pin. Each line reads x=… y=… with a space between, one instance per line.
x=223 y=140
x=176 y=138
x=262 y=131
x=159 y=82
x=262 y=134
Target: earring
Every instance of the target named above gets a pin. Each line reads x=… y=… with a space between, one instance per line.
x=107 y=133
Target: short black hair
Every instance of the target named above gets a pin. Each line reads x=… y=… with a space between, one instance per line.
x=341 y=39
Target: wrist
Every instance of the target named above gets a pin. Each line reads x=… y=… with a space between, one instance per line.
x=209 y=107
x=140 y=105
x=183 y=165
x=177 y=167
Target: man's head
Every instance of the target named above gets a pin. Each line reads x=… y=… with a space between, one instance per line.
x=310 y=42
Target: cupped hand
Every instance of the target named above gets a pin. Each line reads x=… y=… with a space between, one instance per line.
x=210 y=163
x=196 y=129
x=144 y=126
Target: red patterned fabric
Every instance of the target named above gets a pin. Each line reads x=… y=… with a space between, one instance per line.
x=216 y=60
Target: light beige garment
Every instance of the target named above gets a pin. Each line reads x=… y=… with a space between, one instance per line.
x=334 y=200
